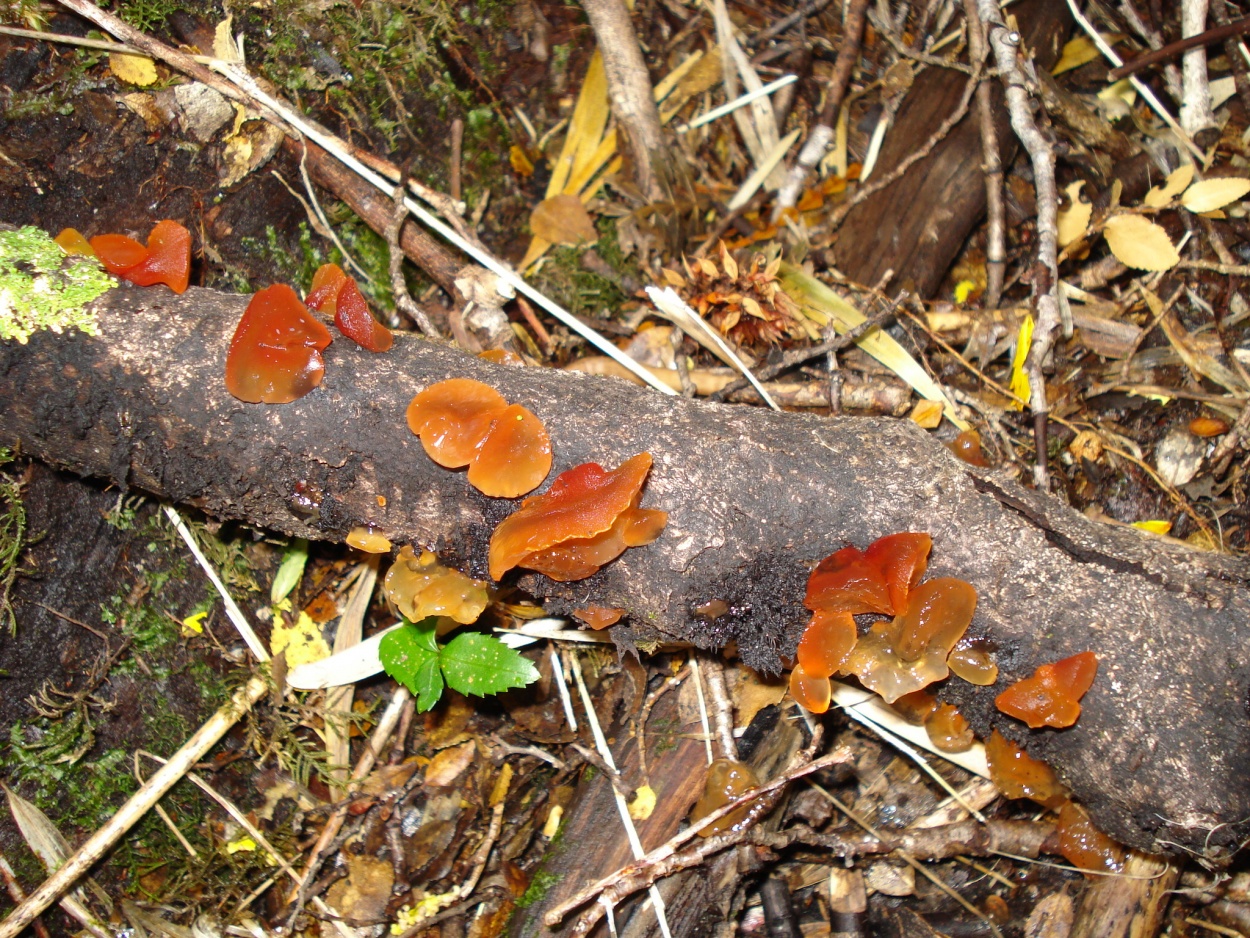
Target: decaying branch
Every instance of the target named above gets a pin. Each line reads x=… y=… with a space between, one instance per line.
x=1162 y=749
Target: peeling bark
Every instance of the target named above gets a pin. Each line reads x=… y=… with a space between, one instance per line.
x=1162 y=750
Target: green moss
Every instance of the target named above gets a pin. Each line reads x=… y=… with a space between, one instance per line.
x=565 y=280
x=14 y=539
x=540 y=885
x=41 y=288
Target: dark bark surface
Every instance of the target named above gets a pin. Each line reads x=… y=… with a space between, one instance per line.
x=1161 y=753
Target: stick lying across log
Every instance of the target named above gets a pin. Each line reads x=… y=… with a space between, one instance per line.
x=1160 y=755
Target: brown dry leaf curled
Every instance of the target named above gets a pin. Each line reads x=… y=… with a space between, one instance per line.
x=562 y=219
x=1140 y=243
x=1210 y=194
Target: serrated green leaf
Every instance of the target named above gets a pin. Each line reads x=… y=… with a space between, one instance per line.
x=290 y=571
x=411 y=656
x=479 y=664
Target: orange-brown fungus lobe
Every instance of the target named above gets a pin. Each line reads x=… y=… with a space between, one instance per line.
x=1017 y=775
x=826 y=643
x=948 y=730
x=501 y=356
x=1199 y=426
x=368 y=540
x=421 y=587
x=1084 y=845
x=967 y=446
x=875 y=580
x=900 y=656
x=463 y=422
x=334 y=292
x=973 y=663
x=166 y=259
x=588 y=517
x=726 y=780
x=71 y=241
x=599 y=617
x=916 y=706
x=275 y=355
x=812 y=691
x=1052 y=695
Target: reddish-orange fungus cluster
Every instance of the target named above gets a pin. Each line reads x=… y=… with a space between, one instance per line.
x=165 y=259
x=967 y=446
x=599 y=617
x=1084 y=845
x=462 y=422
x=946 y=726
x=335 y=293
x=1052 y=695
x=275 y=355
x=897 y=656
x=1017 y=775
x=588 y=517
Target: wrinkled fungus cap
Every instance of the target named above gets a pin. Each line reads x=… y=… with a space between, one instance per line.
x=1018 y=775
x=1051 y=696
x=166 y=259
x=275 y=355
x=335 y=293
x=876 y=580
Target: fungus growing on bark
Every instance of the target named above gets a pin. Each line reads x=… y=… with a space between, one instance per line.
x=727 y=779
x=967 y=446
x=367 y=539
x=874 y=580
x=588 y=517
x=812 y=691
x=1051 y=696
x=166 y=258
x=599 y=617
x=275 y=355
x=462 y=422
x=973 y=662
x=421 y=587
x=948 y=730
x=335 y=293
x=916 y=706
x=1084 y=845
x=826 y=643
x=1017 y=775
x=71 y=241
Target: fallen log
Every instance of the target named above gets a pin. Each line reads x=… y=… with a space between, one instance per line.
x=1160 y=755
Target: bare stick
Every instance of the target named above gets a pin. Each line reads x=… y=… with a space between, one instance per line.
x=722 y=707
x=992 y=167
x=1225 y=30
x=128 y=815
x=1196 y=112
x=399 y=288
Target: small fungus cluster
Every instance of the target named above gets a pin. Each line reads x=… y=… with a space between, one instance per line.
x=165 y=259
x=336 y=294
x=727 y=779
x=420 y=587
x=462 y=422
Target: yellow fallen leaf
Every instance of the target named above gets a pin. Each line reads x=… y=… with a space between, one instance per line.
x=1019 y=380
x=1210 y=194
x=964 y=288
x=302 y=641
x=562 y=219
x=193 y=625
x=1081 y=51
x=1075 y=218
x=1154 y=527
x=132 y=69
x=244 y=844
x=1175 y=184
x=520 y=161
x=1140 y=243
x=927 y=414
x=643 y=804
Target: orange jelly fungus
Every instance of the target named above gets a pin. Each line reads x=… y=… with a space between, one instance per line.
x=916 y=706
x=275 y=355
x=421 y=587
x=599 y=617
x=812 y=691
x=967 y=446
x=1017 y=775
x=166 y=259
x=588 y=517
x=71 y=241
x=726 y=780
x=974 y=664
x=1084 y=845
x=908 y=653
x=1199 y=426
x=874 y=580
x=948 y=730
x=826 y=643
x=336 y=293
x=368 y=540
x=501 y=356
x=1052 y=695
x=463 y=422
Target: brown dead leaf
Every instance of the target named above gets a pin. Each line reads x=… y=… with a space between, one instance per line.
x=1139 y=242
x=366 y=890
x=446 y=767
x=562 y=219
x=753 y=692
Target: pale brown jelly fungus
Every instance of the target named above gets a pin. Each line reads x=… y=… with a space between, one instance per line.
x=334 y=292
x=462 y=422
x=588 y=517
x=948 y=730
x=909 y=652
x=1084 y=845
x=599 y=617
x=968 y=660
x=726 y=780
x=1017 y=775
x=166 y=259
x=71 y=241
x=368 y=540
x=967 y=446
x=1051 y=696
x=275 y=355
x=878 y=579
x=811 y=691
x=421 y=587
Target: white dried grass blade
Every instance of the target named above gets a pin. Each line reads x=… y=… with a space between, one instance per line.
x=874 y=147
x=346 y=667
x=759 y=131
x=731 y=106
x=557 y=671
x=871 y=710
x=762 y=171
x=555 y=630
x=334 y=146
x=673 y=308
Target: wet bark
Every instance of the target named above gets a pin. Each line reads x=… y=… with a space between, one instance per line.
x=1161 y=752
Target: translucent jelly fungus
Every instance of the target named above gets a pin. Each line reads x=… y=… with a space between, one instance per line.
x=1084 y=845
x=916 y=706
x=1017 y=775
x=1052 y=695
x=1199 y=426
x=826 y=643
x=973 y=662
x=948 y=730
x=599 y=617
x=726 y=780
x=967 y=446
x=275 y=355
x=335 y=293
x=812 y=691
x=71 y=241
x=166 y=258
x=588 y=517
x=462 y=422
x=421 y=587
x=367 y=539
x=908 y=653
x=874 y=580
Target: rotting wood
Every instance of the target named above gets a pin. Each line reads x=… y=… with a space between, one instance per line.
x=1160 y=754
